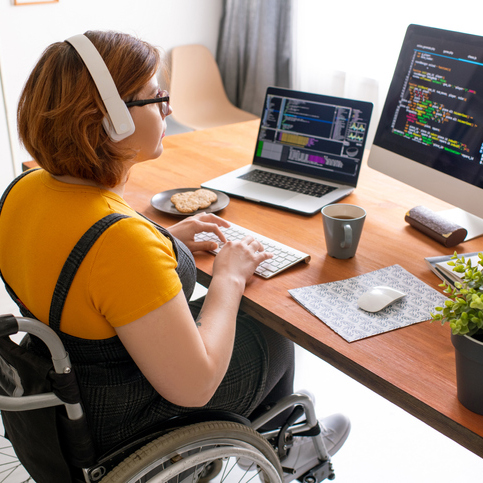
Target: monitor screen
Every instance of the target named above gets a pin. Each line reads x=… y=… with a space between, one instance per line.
x=430 y=134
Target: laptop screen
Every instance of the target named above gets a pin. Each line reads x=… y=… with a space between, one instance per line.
x=313 y=135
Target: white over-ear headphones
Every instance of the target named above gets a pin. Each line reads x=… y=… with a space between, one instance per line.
x=118 y=124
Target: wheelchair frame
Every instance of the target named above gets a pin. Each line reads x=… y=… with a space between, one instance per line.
x=302 y=404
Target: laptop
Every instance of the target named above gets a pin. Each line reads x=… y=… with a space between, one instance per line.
x=308 y=152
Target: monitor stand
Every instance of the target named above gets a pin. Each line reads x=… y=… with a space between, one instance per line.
x=472 y=223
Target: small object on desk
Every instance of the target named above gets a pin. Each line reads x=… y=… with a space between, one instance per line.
x=335 y=303
x=186 y=202
x=190 y=201
x=439 y=266
x=378 y=298
x=436 y=226
x=283 y=255
x=162 y=202
x=342 y=229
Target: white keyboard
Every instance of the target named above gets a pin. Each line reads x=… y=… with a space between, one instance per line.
x=283 y=255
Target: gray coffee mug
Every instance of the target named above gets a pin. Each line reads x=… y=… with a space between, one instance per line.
x=342 y=228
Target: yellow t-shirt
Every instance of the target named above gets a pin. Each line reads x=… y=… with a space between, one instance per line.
x=128 y=272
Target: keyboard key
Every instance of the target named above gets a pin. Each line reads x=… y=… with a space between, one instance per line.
x=283 y=255
x=287 y=182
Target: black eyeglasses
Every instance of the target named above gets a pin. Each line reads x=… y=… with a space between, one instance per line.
x=162 y=96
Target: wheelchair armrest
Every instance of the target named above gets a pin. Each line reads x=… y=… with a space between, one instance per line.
x=26 y=403
x=10 y=325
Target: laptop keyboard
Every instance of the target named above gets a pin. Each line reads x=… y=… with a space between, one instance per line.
x=283 y=255
x=288 y=183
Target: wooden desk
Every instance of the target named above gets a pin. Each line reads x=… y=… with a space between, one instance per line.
x=413 y=367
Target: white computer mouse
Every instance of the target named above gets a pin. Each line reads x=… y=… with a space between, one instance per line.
x=377 y=298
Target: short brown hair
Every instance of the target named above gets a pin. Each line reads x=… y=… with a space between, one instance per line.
x=60 y=111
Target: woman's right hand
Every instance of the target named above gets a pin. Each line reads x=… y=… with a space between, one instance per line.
x=239 y=259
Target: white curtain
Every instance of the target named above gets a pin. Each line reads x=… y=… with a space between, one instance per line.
x=350 y=48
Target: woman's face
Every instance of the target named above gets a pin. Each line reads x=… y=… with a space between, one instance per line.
x=150 y=125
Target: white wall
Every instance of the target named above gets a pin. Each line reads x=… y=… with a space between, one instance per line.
x=6 y=161
x=25 y=31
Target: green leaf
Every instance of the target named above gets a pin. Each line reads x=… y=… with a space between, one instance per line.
x=463 y=308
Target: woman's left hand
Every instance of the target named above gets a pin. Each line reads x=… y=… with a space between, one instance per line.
x=186 y=230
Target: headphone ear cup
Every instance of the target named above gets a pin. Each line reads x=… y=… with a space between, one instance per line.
x=118 y=122
x=127 y=130
x=109 y=128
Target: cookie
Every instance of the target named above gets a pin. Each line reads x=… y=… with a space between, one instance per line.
x=207 y=194
x=186 y=202
x=204 y=202
x=206 y=197
x=190 y=201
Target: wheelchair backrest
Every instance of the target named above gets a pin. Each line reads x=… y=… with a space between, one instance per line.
x=40 y=403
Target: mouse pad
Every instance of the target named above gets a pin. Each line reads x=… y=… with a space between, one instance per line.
x=335 y=303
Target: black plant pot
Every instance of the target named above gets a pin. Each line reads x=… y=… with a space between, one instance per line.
x=469 y=371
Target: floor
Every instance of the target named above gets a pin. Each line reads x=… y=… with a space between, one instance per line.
x=386 y=444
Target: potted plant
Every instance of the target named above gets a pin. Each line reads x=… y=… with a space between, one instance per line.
x=464 y=312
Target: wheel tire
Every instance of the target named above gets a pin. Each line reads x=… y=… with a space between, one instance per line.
x=219 y=439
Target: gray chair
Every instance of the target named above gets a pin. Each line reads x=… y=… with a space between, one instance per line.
x=196 y=90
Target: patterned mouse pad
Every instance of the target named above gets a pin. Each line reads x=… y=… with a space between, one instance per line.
x=335 y=303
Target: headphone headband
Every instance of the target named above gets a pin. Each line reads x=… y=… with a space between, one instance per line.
x=118 y=124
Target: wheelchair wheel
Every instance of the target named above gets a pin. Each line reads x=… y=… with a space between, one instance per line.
x=213 y=451
x=11 y=470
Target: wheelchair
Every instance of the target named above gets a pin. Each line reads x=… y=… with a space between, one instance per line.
x=204 y=446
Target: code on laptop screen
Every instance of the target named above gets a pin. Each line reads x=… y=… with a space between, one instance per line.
x=313 y=134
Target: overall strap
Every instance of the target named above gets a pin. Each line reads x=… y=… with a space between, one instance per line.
x=12 y=184
x=23 y=310
x=72 y=264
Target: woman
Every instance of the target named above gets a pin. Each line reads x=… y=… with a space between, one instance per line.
x=142 y=352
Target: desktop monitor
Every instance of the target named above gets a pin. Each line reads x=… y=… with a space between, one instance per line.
x=430 y=134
